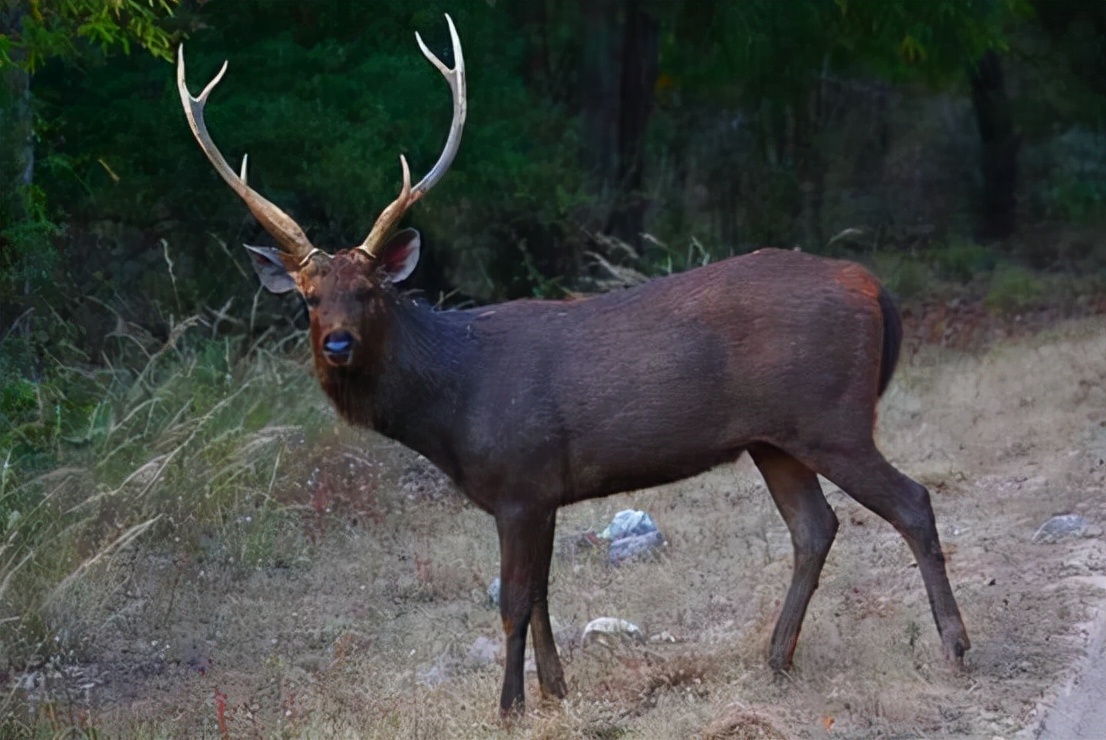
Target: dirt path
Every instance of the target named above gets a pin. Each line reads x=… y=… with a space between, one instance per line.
x=370 y=617
x=1080 y=710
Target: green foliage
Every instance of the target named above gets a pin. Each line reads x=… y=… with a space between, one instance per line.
x=1078 y=200
x=30 y=258
x=911 y=276
x=663 y=259
x=932 y=40
x=1013 y=289
x=779 y=77
x=905 y=276
x=962 y=260
x=32 y=34
x=541 y=286
x=324 y=114
x=325 y=95
x=53 y=29
x=1075 y=189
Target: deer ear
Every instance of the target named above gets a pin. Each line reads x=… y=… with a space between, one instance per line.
x=269 y=265
x=399 y=255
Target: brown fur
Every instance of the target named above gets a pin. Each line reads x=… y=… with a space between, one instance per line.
x=531 y=405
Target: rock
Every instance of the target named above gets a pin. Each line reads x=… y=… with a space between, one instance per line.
x=1062 y=525
x=438 y=673
x=632 y=535
x=611 y=629
x=485 y=651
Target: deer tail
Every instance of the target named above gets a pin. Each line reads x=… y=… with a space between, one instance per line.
x=892 y=338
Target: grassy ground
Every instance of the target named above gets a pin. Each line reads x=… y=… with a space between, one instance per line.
x=215 y=555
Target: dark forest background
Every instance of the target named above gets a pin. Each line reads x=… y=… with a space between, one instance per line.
x=948 y=141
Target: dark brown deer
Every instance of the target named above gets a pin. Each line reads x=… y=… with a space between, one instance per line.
x=532 y=405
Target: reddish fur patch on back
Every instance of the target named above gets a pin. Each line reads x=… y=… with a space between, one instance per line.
x=855 y=278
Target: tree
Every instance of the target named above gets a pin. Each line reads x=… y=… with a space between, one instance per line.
x=777 y=58
x=618 y=75
x=996 y=215
x=33 y=32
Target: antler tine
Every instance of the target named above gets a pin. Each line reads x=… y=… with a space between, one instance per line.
x=286 y=231
x=456 y=79
x=390 y=215
x=408 y=196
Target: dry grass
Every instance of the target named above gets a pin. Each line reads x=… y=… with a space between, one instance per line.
x=185 y=445
x=286 y=578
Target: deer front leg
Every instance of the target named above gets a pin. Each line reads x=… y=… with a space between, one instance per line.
x=525 y=551
x=551 y=677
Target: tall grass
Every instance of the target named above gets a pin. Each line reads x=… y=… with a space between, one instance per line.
x=174 y=442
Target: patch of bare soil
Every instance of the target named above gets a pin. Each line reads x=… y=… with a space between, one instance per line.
x=375 y=621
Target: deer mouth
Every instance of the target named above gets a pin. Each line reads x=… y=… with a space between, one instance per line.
x=338 y=347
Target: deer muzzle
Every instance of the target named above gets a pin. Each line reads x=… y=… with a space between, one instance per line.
x=338 y=347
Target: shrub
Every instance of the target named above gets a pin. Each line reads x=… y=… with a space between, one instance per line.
x=1013 y=289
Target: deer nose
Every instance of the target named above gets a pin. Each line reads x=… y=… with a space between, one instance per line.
x=338 y=346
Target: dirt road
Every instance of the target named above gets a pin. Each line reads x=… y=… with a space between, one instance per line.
x=1079 y=711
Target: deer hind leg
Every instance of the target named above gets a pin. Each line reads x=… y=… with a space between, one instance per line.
x=813 y=525
x=551 y=677
x=877 y=485
x=525 y=550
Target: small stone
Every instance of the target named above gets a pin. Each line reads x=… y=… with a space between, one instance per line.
x=612 y=627
x=485 y=650
x=1060 y=526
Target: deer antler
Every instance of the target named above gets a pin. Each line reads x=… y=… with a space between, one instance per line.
x=408 y=195
x=278 y=223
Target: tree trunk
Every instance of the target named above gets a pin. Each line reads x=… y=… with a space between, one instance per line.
x=532 y=20
x=996 y=217
x=640 y=47
x=17 y=154
x=810 y=167
x=618 y=75
x=599 y=91
x=17 y=163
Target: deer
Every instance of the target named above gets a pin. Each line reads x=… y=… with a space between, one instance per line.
x=531 y=405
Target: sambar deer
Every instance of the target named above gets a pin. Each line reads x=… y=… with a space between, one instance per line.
x=531 y=405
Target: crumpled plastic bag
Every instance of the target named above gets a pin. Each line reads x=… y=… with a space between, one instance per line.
x=628 y=523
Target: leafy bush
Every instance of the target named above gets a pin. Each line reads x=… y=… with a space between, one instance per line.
x=1013 y=289
x=1074 y=188
x=963 y=260
x=905 y=276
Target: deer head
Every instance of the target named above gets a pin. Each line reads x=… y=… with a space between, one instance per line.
x=345 y=288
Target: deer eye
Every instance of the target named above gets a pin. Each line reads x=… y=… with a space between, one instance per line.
x=312 y=301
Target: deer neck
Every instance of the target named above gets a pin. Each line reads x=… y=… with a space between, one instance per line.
x=410 y=388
